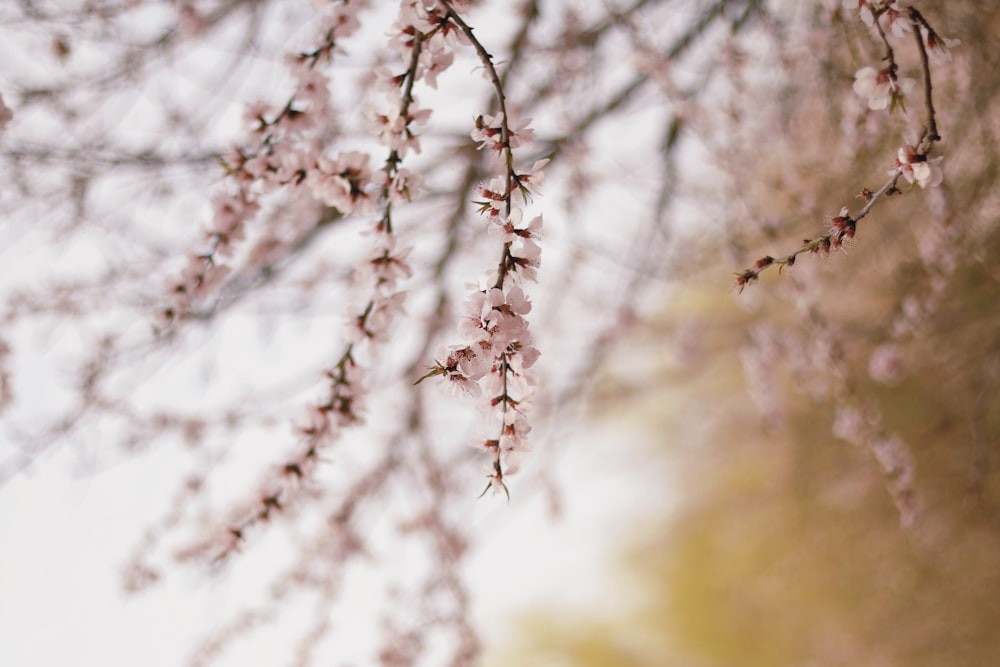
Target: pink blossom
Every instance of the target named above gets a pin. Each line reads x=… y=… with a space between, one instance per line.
x=457 y=383
x=230 y=215
x=886 y=364
x=528 y=355
x=405 y=186
x=312 y=89
x=476 y=317
x=511 y=229
x=375 y=322
x=202 y=275
x=434 y=60
x=387 y=81
x=918 y=168
x=489 y=132
x=512 y=461
x=388 y=126
x=343 y=18
x=939 y=48
x=494 y=198
x=257 y=115
x=294 y=121
x=343 y=182
x=525 y=258
x=258 y=166
x=315 y=424
x=530 y=180
x=386 y=265
x=881 y=88
x=893 y=14
x=394 y=130
x=294 y=164
x=517 y=301
x=850 y=425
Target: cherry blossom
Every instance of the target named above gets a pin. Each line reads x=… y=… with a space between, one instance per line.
x=343 y=182
x=312 y=89
x=939 y=48
x=394 y=130
x=893 y=15
x=881 y=87
x=917 y=168
x=489 y=132
x=510 y=229
x=529 y=181
x=886 y=364
x=386 y=266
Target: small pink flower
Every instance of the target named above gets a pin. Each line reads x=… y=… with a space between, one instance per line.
x=375 y=323
x=315 y=424
x=530 y=180
x=456 y=383
x=917 y=168
x=886 y=364
x=489 y=132
x=386 y=265
x=939 y=48
x=293 y=164
x=434 y=60
x=850 y=425
x=343 y=182
x=257 y=115
x=893 y=16
x=202 y=275
x=525 y=259
x=881 y=88
x=511 y=228
x=230 y=215
x=313 y=89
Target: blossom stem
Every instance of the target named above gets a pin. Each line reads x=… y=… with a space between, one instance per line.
x=487 y=61
x=932 y=134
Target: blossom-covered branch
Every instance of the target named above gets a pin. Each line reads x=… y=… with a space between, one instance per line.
x=496 y=354
x=883 y=89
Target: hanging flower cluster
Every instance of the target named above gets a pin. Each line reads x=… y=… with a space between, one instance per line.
x=882 y=88
x=424 y=38
x=494 y=358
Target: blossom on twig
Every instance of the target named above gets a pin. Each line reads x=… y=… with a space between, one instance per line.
x=882 y=88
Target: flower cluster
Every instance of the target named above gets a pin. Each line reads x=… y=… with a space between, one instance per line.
x=892 y=15
x=863 y=427
x=348 y=183
x=278 y=154
x=496 y=354
x=494 y=361
x=882 y=88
